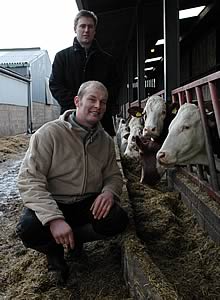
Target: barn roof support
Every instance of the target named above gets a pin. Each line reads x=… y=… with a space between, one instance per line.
x=171 y=47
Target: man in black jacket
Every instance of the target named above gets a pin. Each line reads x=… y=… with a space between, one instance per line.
x=84 y=61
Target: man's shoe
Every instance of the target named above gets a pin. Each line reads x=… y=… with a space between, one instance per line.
x=58 y=270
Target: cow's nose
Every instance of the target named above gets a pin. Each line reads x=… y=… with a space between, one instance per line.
x=145 y=131
x=149 y=129
x=161 y=155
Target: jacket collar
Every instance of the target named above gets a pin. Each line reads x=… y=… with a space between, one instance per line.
x=94 y=46
x=72 y=124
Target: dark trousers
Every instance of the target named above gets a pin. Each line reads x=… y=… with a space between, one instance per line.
x=36 y=236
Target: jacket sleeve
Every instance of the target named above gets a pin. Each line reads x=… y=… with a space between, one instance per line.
x=112 y=175
x=63 y=95
x=32 y=180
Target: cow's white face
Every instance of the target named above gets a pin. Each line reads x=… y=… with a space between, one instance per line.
x=154 y=113
x=185 y=143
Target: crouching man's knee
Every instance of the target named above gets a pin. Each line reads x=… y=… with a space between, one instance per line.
x=114 y=223
x=24 y=228
x=30 y=230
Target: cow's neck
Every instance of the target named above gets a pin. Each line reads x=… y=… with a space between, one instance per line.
x=200 y=159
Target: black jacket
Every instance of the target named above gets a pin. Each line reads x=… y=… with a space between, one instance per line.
x=73 y=66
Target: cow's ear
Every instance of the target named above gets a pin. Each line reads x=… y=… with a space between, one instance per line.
x=135 y=111
x=173 y=107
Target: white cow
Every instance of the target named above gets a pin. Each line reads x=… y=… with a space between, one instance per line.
x=185 y=143
x=135 y=127
x=122 y=135
x=154 y=114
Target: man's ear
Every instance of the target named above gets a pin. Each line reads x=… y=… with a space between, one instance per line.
x=76 y=101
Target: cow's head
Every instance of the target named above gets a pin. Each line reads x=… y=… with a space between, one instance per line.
x=154 y=115
x=185 y=142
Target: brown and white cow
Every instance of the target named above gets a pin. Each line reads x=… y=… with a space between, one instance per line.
x=158 y=116
x=135 y=127
x=185 y=142
x=122 y=135
x=151 y=173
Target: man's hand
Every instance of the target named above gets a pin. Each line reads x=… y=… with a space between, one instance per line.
x=62 y=233
x=102 y=205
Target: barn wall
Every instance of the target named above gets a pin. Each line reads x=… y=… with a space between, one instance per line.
x=42 y=113
x=13 y=90
x=13 y=118
x=198 y=56
x=40 y=70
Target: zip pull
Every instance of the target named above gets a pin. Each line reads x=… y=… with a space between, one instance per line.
x=86 y=50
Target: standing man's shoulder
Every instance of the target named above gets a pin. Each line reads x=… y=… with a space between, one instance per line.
x=64 y=52
x=101 y=51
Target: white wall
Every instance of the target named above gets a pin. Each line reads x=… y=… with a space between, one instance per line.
x=13 y=91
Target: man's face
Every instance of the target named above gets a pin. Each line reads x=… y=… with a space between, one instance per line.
x=85 y=31
x=91 y=107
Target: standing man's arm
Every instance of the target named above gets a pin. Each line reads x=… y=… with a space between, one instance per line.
x=58 y=85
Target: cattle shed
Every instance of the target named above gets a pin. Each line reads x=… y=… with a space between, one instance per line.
x=25 y=100
x=129 y=30
x=186 y=70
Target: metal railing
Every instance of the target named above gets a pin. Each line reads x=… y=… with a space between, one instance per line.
x=204 y=93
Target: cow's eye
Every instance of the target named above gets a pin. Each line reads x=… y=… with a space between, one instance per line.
x=163 y=112
x=185 y=127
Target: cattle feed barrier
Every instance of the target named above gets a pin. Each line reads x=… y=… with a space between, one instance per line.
x=197 y=195
x=135 y=263
x=204 y=93
x=138 y=267
x=193 y=186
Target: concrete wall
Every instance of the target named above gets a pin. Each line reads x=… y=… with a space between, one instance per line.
x=13 y=119
x=42 y=113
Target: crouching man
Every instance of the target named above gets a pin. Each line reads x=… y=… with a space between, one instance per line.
x=70 y=182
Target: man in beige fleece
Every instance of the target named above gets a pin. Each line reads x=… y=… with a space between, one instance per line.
x=70 y=182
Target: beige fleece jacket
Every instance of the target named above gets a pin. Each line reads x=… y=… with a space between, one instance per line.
x=64 y=163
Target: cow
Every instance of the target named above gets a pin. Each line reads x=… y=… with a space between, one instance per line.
x=122 y=135
x=158 y=115
x=135 y=127
x=150 y=172
x=185 y=142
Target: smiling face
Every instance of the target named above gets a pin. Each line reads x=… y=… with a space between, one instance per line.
x=85 y=31
x=91 y=105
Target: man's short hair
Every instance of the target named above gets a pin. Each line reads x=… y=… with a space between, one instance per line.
x=87 y=14
x=96 y=84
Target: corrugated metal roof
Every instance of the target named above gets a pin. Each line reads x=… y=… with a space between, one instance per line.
x=13 y=74
x=19 y=57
